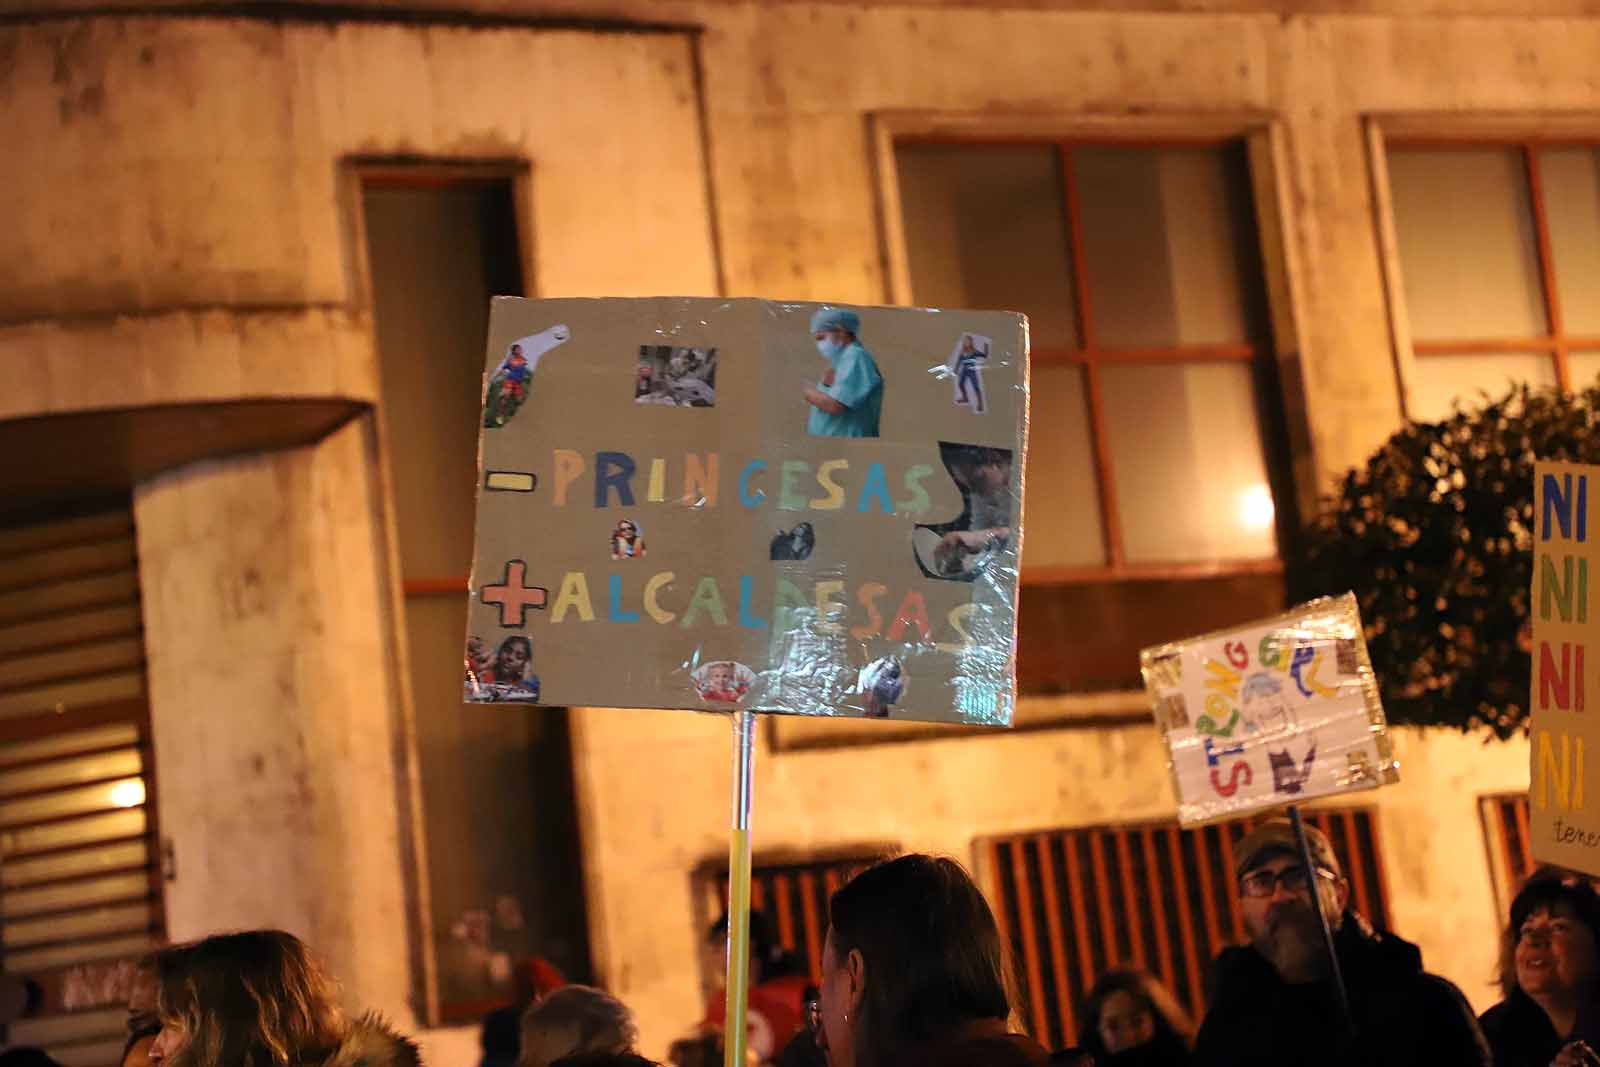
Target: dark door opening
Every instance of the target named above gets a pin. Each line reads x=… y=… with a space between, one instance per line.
x=499 y=811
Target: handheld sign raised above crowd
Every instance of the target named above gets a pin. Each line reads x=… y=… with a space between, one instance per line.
x=1564 y=820
x=1270 y=713
x=745 y=505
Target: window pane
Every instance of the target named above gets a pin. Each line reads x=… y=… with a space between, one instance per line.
x=1571 y=178
x=1190 y=471
x=1467 y=248
x=1437 y=382
x=1061 y=504
x=1584 y=368
x=986 y=228
x=1170 y=244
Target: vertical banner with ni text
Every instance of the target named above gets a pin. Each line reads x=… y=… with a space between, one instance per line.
x=1565 y=829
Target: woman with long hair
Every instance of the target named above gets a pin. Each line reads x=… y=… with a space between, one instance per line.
x=1130 y=1020
x=912 y=973
x=259 y=999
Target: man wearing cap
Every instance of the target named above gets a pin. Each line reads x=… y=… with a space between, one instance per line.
x=847 y=400
x=1274 y=1001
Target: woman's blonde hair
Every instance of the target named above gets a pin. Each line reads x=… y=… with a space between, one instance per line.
x=252 y=999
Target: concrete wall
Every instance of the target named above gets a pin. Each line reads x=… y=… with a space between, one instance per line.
x=181 y=231
x=272 y=695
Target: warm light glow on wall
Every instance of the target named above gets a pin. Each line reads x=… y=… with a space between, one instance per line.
x=129 y=794
x=1256 y=510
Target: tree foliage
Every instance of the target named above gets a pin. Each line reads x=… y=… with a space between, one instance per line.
x=1434 y=535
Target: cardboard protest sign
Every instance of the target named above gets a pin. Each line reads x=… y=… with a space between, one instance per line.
x=1564 y=828
x=720 y=504
x=1274 y=712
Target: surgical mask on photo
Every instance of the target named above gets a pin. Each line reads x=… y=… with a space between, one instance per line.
x=829 y=347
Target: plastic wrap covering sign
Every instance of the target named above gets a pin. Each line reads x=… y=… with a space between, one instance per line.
x=1564 y=824
x=1271 y=713
x=799 y=508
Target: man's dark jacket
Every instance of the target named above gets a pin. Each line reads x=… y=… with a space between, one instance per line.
x=1403 y=1015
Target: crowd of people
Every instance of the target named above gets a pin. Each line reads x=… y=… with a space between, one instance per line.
x=913 y=972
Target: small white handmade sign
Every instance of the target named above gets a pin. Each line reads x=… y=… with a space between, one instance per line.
x=1271 y=713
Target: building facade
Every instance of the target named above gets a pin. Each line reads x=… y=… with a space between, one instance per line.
x=242 y=295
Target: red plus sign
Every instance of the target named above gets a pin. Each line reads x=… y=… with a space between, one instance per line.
x=513 y=596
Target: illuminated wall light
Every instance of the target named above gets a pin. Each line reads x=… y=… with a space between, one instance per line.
x=128 y=794
x=1256 y=510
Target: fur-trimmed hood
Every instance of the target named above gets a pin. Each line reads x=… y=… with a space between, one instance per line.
x=371 y=1042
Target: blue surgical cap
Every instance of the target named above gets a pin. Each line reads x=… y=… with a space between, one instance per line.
x=827 y=318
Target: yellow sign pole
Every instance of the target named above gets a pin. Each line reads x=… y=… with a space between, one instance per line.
x=734 y=1029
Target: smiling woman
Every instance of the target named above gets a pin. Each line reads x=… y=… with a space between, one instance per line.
x=1549 y=974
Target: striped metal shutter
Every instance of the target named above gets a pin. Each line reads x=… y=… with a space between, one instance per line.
x=1074 y=903
x=80 y=885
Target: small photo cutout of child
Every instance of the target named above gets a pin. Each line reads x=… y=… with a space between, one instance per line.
x=722 y=681
x=883 y=682
x=676 y=377
x=503 y=675
x=627 y=540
